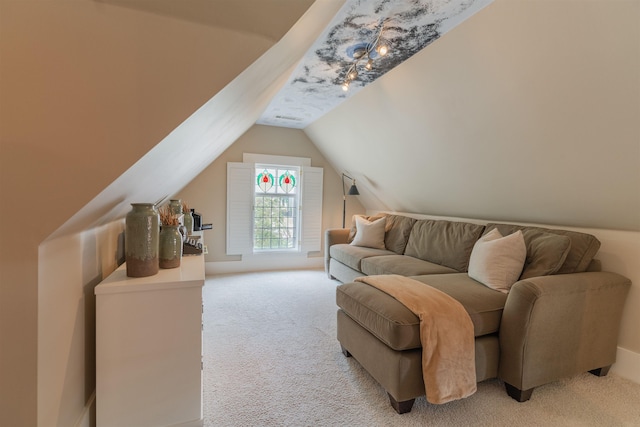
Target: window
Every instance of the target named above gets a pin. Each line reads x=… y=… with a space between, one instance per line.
x=275 y=219
x=274 y=204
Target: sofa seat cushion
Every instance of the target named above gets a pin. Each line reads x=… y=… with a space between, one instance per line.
x=402 y=265
x=381 y=314
x=483 y=304
x=396 y=326
x=351 y=255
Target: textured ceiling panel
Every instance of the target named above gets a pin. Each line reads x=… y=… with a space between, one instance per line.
x=406 y=27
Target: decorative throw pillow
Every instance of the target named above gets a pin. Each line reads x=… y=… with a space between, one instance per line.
x=369 y=234
x=497 y=261
x=370 y=218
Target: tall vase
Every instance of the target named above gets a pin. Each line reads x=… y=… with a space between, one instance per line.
x=142 y=229
x=170 y=246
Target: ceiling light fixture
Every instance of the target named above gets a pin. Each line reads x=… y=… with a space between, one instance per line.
x=365 y=52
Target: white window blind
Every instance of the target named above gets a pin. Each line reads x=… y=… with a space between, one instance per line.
x=311 y=209
x=240 y=197
x=239 y=208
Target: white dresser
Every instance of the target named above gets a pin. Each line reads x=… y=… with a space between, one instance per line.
x=149 y=347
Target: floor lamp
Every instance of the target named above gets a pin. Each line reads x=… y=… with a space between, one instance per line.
x=353 y=191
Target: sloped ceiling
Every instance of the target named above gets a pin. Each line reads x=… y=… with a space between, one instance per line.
x=185 y=151
x=528 y=112
x=265 y=18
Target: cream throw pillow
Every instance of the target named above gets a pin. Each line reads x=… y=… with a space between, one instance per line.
x=497 y=261
x=369 y=234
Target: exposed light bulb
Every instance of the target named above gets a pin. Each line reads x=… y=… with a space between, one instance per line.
x=369 y=65
x=382 y=49
x=353 y=74
x=345 y=86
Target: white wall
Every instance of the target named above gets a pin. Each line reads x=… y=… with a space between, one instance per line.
x=70 y=268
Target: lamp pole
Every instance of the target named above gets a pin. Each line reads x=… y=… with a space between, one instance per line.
x=353 y=191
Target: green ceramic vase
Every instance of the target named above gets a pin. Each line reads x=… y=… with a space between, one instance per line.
x=142 y=228
x=170 y=246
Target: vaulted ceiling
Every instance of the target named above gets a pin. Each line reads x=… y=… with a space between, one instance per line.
x=518 y=78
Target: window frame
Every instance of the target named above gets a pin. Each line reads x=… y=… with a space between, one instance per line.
x=239 y=214
x=297 y=217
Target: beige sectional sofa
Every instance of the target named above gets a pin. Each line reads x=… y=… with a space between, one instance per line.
x=560 y=318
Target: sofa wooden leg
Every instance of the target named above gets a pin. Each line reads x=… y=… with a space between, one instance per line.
x=401 y=407
x=345 y=351
x=517 y=394
x=600 y=372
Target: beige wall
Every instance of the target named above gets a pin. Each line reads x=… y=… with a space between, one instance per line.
x=207 y=193
x=87 y=89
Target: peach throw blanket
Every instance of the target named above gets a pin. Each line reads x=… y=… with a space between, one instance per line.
x=446 y=334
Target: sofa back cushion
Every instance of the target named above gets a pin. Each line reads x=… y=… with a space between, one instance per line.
x=546 y=252
x=447 y=243
x=397 y=230
x=546 y=255
x=397 y=233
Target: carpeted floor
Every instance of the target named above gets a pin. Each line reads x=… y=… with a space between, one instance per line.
x=271 y=359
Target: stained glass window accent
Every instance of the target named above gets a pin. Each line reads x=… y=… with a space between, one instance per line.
x=287 y=181
x=264 y=181
x=276 y=219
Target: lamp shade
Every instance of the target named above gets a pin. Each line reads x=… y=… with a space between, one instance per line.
x=353 y=191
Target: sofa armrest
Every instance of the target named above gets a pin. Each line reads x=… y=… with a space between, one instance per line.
x=558 y=326
x=333 y=236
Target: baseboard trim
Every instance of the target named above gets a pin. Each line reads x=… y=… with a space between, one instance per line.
x=263 y=263
x=88 y=416
x=627 y=365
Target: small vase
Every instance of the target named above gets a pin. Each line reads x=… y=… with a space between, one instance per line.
x=170 y=246
x=188 y=223
x=142 y=227
x=175 y=206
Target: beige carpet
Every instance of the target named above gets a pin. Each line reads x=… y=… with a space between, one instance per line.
x=271 y=359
